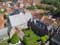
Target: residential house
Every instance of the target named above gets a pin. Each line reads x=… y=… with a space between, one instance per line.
x=20 y=20
x=40 y=20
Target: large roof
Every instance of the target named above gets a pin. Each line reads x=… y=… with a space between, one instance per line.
x=19 y=19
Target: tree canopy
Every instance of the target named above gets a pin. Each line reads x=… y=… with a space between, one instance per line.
x=3 y=0
x=54 y=2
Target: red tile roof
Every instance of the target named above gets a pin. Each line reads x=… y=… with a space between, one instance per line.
x=47 y=20
x=1 y=22
x=37 y=15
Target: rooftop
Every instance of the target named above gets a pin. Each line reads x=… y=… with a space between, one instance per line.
x=47 y=20
x=2 y=22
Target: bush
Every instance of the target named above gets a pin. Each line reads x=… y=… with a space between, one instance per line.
x=14 y=39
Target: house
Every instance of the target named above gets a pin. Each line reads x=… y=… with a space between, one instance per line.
x=20 y=20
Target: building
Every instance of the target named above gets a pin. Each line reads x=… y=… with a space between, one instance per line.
x=20 y=20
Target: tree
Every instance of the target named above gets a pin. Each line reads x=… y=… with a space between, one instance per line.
x=55 y=12
x=14 y=39
x=53 y=2
x=31 y=8
x=30 y=38
x=3 y=0
x=44 y=38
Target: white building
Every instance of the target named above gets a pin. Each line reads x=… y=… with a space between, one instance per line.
x=20 y=20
